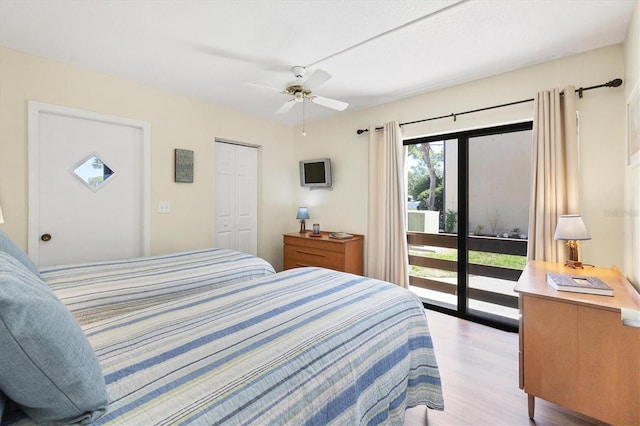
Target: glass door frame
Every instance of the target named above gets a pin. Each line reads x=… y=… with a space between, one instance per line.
x=463 y=137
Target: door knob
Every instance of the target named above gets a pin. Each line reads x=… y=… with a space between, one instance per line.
x=45 y=237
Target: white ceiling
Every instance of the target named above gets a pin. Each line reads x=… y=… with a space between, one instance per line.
x=376 y=50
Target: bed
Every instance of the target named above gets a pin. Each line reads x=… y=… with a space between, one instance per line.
x=98 y=290
x=303 y=346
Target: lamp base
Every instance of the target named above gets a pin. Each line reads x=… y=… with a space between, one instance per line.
x=302 y=227
x=575 y=264
x=574 y=255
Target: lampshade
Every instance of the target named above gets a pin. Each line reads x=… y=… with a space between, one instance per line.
x=571 y=227
x=303 y=213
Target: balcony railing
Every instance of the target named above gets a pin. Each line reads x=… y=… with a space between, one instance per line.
x=513 y=246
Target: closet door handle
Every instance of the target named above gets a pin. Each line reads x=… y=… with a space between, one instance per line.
x=45 y=237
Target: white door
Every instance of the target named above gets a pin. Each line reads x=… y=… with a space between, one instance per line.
x=88 y=186
x=236 y=197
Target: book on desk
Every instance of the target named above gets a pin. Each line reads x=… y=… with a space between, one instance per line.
x=579 y=284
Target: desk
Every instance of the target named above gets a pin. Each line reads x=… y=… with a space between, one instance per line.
x=575 y=350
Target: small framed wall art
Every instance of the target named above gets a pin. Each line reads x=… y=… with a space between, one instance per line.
x=184 y=165
x=633 y=126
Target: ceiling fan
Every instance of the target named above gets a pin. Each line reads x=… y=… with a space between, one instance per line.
x=302 y=90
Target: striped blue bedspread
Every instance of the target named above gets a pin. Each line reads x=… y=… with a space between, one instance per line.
x=99 y=290
x=304 y=346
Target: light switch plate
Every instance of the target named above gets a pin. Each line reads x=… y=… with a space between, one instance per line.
x=164 y=207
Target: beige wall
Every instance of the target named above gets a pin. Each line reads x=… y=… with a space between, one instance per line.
x=179 y=122
x=602 y=146
x=176 y=122
x=631 y=212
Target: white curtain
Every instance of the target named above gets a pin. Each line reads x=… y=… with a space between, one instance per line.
x=554 y=180
x=387 y=210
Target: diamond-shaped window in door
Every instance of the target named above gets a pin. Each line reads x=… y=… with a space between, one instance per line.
x=93 y=172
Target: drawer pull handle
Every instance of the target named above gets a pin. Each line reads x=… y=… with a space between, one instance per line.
x=308 y=252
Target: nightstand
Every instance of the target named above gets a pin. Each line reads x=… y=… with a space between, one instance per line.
x=303 y=249
x=575 y=350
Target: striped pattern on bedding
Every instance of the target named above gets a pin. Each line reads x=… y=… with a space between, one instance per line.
x=304 y=346
x=95 y=291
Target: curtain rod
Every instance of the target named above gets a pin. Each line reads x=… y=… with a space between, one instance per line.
x=613 y=83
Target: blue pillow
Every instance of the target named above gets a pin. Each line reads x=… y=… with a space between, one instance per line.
x=8 y=246
x=47 y=366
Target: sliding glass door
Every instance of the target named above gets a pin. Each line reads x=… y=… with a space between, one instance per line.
x=475 y=184
x=432 y=218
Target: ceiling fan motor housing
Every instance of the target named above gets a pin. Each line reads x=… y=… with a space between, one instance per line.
x=298 y=71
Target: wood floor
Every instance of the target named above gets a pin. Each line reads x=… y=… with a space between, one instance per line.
x=479 y=370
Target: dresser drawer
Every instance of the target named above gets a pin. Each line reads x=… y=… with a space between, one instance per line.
x=317 y=243
x=298 y=256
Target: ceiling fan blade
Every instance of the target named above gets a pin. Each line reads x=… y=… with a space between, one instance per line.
x=329 y=103
x=316 y=78
x=286 y=107
x=260 y=86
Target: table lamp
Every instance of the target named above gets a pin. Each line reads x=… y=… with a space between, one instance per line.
x=303 y=213
x=571 y=229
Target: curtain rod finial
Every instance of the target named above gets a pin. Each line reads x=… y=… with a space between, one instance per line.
x=615 y=83
x=361 y=131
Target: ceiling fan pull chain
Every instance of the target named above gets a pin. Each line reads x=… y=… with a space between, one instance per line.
x=303 y=102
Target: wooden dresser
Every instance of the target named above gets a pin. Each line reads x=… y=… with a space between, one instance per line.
x=302 y=249
x=575 y=350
